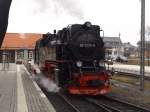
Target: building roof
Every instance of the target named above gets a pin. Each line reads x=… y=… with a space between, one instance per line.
x=20 y=40
x=112 y=39
x=128 y=45
x=146 y=42
x=111 y=42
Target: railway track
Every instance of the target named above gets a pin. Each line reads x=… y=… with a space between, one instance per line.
x=93 y=104
x=74 y=109
x=106 y=108
x=128 y=106
x=115 y=105
x=88 y=103
x=129 y=72
x=132 y=75
x=104 y=104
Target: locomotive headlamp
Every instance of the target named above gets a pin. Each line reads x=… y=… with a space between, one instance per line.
x=79 y=63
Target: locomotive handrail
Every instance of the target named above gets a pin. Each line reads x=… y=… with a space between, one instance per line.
x=57 y=61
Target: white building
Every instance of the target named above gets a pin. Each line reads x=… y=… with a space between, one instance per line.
x=113 y=46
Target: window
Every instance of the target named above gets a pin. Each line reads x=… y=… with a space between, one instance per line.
x=20 y=54
x=30 y=54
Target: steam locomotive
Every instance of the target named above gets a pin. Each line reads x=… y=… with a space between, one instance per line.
x=74 y=59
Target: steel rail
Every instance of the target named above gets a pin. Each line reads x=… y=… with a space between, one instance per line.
x=69 y=103
x=105 y=107
x=142 y=109
x=136 y=72
x=132 y=75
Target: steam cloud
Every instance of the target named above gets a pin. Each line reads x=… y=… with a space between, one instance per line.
x=42 y=5
x=71 y=7
x=58 y=6
x=48 y=84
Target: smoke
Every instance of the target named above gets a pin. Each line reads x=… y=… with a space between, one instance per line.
x=48 y=84
x=41 y=6
x=72 y=7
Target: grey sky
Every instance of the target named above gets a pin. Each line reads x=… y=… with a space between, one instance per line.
x=114 y=16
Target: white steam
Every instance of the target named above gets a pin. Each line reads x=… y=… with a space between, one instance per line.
x=45 y=82
x=72 y=7
x=49 y=85
x=42 y=5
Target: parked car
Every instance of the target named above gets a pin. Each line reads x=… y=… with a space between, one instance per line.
x=121 y=59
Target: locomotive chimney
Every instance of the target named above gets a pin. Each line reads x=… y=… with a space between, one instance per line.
x=54 y=31
x=87 y=24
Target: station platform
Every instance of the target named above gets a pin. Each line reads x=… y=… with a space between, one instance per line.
x=19 y=92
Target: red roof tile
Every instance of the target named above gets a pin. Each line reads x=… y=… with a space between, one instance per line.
x=20 y=40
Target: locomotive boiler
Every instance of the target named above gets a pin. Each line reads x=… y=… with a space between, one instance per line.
x=74 y=59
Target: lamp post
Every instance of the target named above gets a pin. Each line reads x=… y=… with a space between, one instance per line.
x=148 y=51
x=142 y=60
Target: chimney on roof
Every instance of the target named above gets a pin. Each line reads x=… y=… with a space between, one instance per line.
x=119 y=34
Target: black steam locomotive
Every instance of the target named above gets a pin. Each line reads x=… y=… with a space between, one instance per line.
x=74 y=59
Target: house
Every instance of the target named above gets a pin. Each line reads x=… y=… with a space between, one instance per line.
x=129 y=50
x=19 y=46
x=113 y=46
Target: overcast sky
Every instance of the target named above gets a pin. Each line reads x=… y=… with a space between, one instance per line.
x=114 y=16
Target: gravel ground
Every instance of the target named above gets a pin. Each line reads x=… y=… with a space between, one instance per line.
x=132 y=80
x=130 y=94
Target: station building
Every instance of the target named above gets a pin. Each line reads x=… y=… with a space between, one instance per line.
x=113 y=46
x=19 y=46
x=129 y=50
